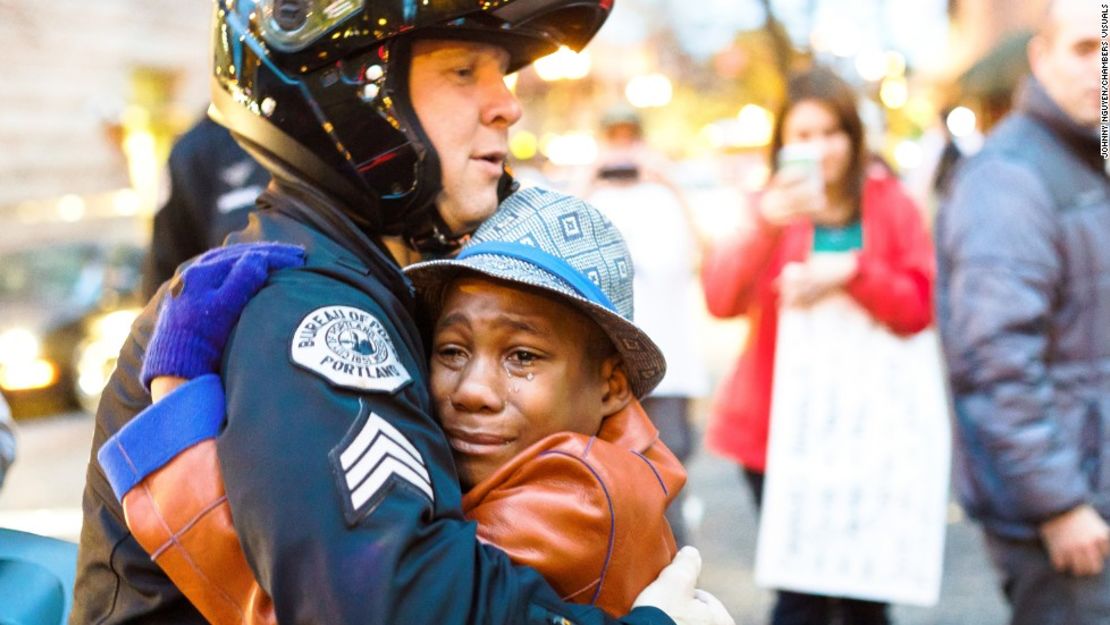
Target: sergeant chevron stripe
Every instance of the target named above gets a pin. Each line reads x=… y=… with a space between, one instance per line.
x=378 y=452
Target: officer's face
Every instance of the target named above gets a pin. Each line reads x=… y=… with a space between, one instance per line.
x=459 y=93
x=510 y=367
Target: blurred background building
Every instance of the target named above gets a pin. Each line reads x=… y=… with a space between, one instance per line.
x=94 y=93
x=92 y=97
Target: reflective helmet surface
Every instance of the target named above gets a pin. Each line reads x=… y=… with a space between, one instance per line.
x=318 y=89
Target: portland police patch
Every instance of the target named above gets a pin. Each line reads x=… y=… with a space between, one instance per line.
x=349 y=348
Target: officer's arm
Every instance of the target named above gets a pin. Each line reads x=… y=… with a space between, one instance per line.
x=346 y=502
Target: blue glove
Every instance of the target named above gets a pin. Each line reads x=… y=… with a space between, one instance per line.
x=206 y=299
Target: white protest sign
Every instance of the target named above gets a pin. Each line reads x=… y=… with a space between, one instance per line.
x=856 y=492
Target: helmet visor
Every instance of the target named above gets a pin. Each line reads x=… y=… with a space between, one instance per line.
x=292 y=25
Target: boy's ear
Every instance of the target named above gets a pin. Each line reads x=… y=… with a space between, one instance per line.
x=617 y=390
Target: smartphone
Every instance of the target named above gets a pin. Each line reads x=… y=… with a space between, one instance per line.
x=621 y=171
x=804 y=158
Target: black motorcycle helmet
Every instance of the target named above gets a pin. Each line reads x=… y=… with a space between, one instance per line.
x=317 y=90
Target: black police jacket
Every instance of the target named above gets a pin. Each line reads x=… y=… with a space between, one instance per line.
x=213 y=184
x=341 y=484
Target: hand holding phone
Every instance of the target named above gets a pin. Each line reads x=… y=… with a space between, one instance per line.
x=798 y=187
x=803 y=161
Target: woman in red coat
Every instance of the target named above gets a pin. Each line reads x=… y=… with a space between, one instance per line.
x=886 y=265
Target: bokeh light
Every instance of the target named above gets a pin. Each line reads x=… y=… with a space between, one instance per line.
x=908 y=155
x=894 y=92
x=563 y=64
x=651 y=90
x=524 y=145
x=961 y=121
x=570 y=149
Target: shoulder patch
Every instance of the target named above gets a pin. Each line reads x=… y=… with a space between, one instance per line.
x=349 y=348
x=372 y=456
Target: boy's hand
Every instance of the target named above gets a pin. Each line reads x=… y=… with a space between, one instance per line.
x=164 y=385
x=675 y=593
x=196 y=319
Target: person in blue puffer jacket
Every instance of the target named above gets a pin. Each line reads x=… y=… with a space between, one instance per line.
x=1024 y=309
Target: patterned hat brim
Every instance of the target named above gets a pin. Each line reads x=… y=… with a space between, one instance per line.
x=643 y=360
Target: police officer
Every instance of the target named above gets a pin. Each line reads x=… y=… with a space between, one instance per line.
x=379 y=117
x=212 y=186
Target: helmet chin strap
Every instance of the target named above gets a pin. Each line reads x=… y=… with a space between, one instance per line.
x=423 y=229
x=436 y=240
x=434 y=243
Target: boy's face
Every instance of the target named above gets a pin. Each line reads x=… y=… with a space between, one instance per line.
x=459 y=94
x=510 y=367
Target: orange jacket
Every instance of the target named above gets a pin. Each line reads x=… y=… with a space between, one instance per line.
x=586 y=512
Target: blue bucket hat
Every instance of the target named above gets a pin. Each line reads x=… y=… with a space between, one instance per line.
x=565 y=247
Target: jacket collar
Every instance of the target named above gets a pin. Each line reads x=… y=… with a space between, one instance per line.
x=1034 y=101
x=319 y=212
x=630 y=428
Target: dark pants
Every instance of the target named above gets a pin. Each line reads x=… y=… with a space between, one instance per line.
x=1039 y=594
x=671 y=416
x=796 y=608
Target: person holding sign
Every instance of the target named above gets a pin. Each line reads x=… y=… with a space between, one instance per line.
x=822 y=197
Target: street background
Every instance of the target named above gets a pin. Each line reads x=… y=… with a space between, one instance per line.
x=43 y=495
